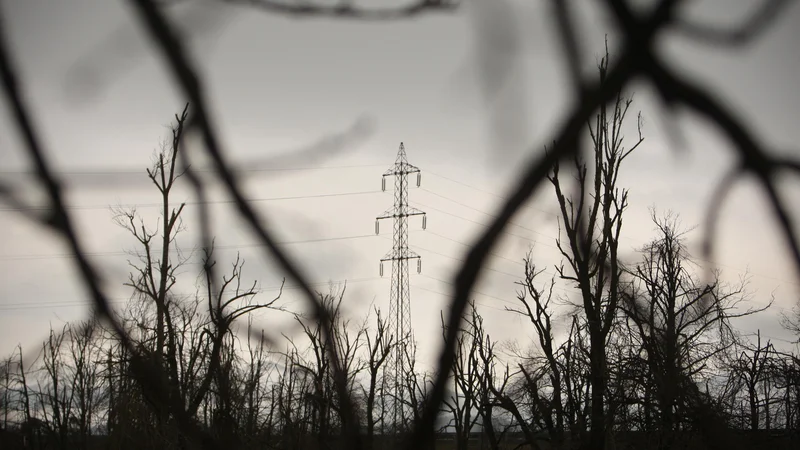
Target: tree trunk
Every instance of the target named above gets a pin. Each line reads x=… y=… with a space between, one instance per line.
x=597 y=433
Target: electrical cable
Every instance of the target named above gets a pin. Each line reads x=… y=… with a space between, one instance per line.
x=122 y=300
x=208 y=202
x=173 y=250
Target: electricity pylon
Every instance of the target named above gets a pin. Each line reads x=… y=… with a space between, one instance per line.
x=399 y=297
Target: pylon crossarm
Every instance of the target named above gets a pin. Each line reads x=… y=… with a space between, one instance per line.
x=398 y=258
x=393 y=213
x=401 y=169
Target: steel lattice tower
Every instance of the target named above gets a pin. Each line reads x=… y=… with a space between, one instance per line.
x=399 y=296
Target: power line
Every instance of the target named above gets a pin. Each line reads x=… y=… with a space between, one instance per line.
x=173 y=250
x=794 y=283
x=771 y=338
x=542 y=234
x=298 y=197
x=120 y=253
x=125 y=171
x=419 y=247
x=469 y=246
x=122 y=300
x=521 y=264
x=499 y=271
x=501 y=197
x=462 y=260
x=493 y=254
x=208 y=202
x=445 y=295
x=487 y=214
x=534 y=241
x=491 y=269
x=473 y=291
x=745 y=271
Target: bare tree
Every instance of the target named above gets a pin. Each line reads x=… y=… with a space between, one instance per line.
x=501 y=388
x=188 y=339
x=7 y=396
x=54 y=391
x=575 y=369
x=754 y=367
x=679 y=322
x=536 y=303
x=255 y=427
x=326 y=406
x=462 y=403
x=791 y=321
x=292 y=393
x=787 y=378
x=492 y=399
x=30 y=432
x=418 y=386
x=84 y=377
x=379 y=346
x=592 y=222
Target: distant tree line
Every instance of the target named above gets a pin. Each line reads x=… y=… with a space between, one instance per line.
x=650 y=356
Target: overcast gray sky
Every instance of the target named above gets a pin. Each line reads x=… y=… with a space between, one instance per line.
x=103 y=101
